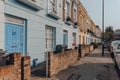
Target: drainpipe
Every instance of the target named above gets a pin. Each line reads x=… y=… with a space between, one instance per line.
x=47 y=63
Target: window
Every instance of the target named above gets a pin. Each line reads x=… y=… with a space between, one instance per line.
x=87 y=40
x=68 y=9
x=74 y=39
x=83 y=40
x=53 y=9
x=81 y=21
x=53 y=6
x=65 y=38
x=75 y=15
x=80 y=39
x=50 y=38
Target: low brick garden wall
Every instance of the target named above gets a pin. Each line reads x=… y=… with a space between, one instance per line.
x=60 y=61
x=91 y=48
x=26 y=68
x=86 y=50
x=18 y=68
x=7 y=73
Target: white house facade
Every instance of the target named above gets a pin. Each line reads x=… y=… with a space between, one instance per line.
x=33 y=27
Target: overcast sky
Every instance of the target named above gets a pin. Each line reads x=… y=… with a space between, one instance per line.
x=112 y=12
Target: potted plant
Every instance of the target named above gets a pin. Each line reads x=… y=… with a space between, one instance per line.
x=58 y=48
x=64 y=47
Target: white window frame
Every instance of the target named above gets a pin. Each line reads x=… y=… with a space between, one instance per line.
x=68 y=9
x=74 y=37
x=54 y=6
x=75 y=13
x=65 y=32
x=81 y=21
x=48 y=48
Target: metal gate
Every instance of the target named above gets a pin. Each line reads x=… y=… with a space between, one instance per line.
x=13 y=38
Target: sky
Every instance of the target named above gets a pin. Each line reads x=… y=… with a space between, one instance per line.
x=111 y=12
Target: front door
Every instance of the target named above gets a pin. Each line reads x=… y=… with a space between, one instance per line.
x=13 y=38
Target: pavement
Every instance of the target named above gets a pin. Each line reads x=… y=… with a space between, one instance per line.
x=91 y=67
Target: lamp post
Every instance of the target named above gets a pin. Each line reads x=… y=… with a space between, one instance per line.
x=103 y=28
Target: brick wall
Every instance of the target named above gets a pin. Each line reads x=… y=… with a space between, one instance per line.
x=87 y=49
x=61 y=61
x=26 y=71
x=15 y=67
x=91 y=48
x=7 y=73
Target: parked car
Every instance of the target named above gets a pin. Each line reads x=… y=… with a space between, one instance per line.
x=114 y=45
x=117 y=56
x=116 y=51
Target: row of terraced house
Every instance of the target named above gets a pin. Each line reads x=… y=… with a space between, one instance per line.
x=34 y=27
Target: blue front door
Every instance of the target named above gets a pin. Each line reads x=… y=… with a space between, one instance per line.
x=13 y=38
